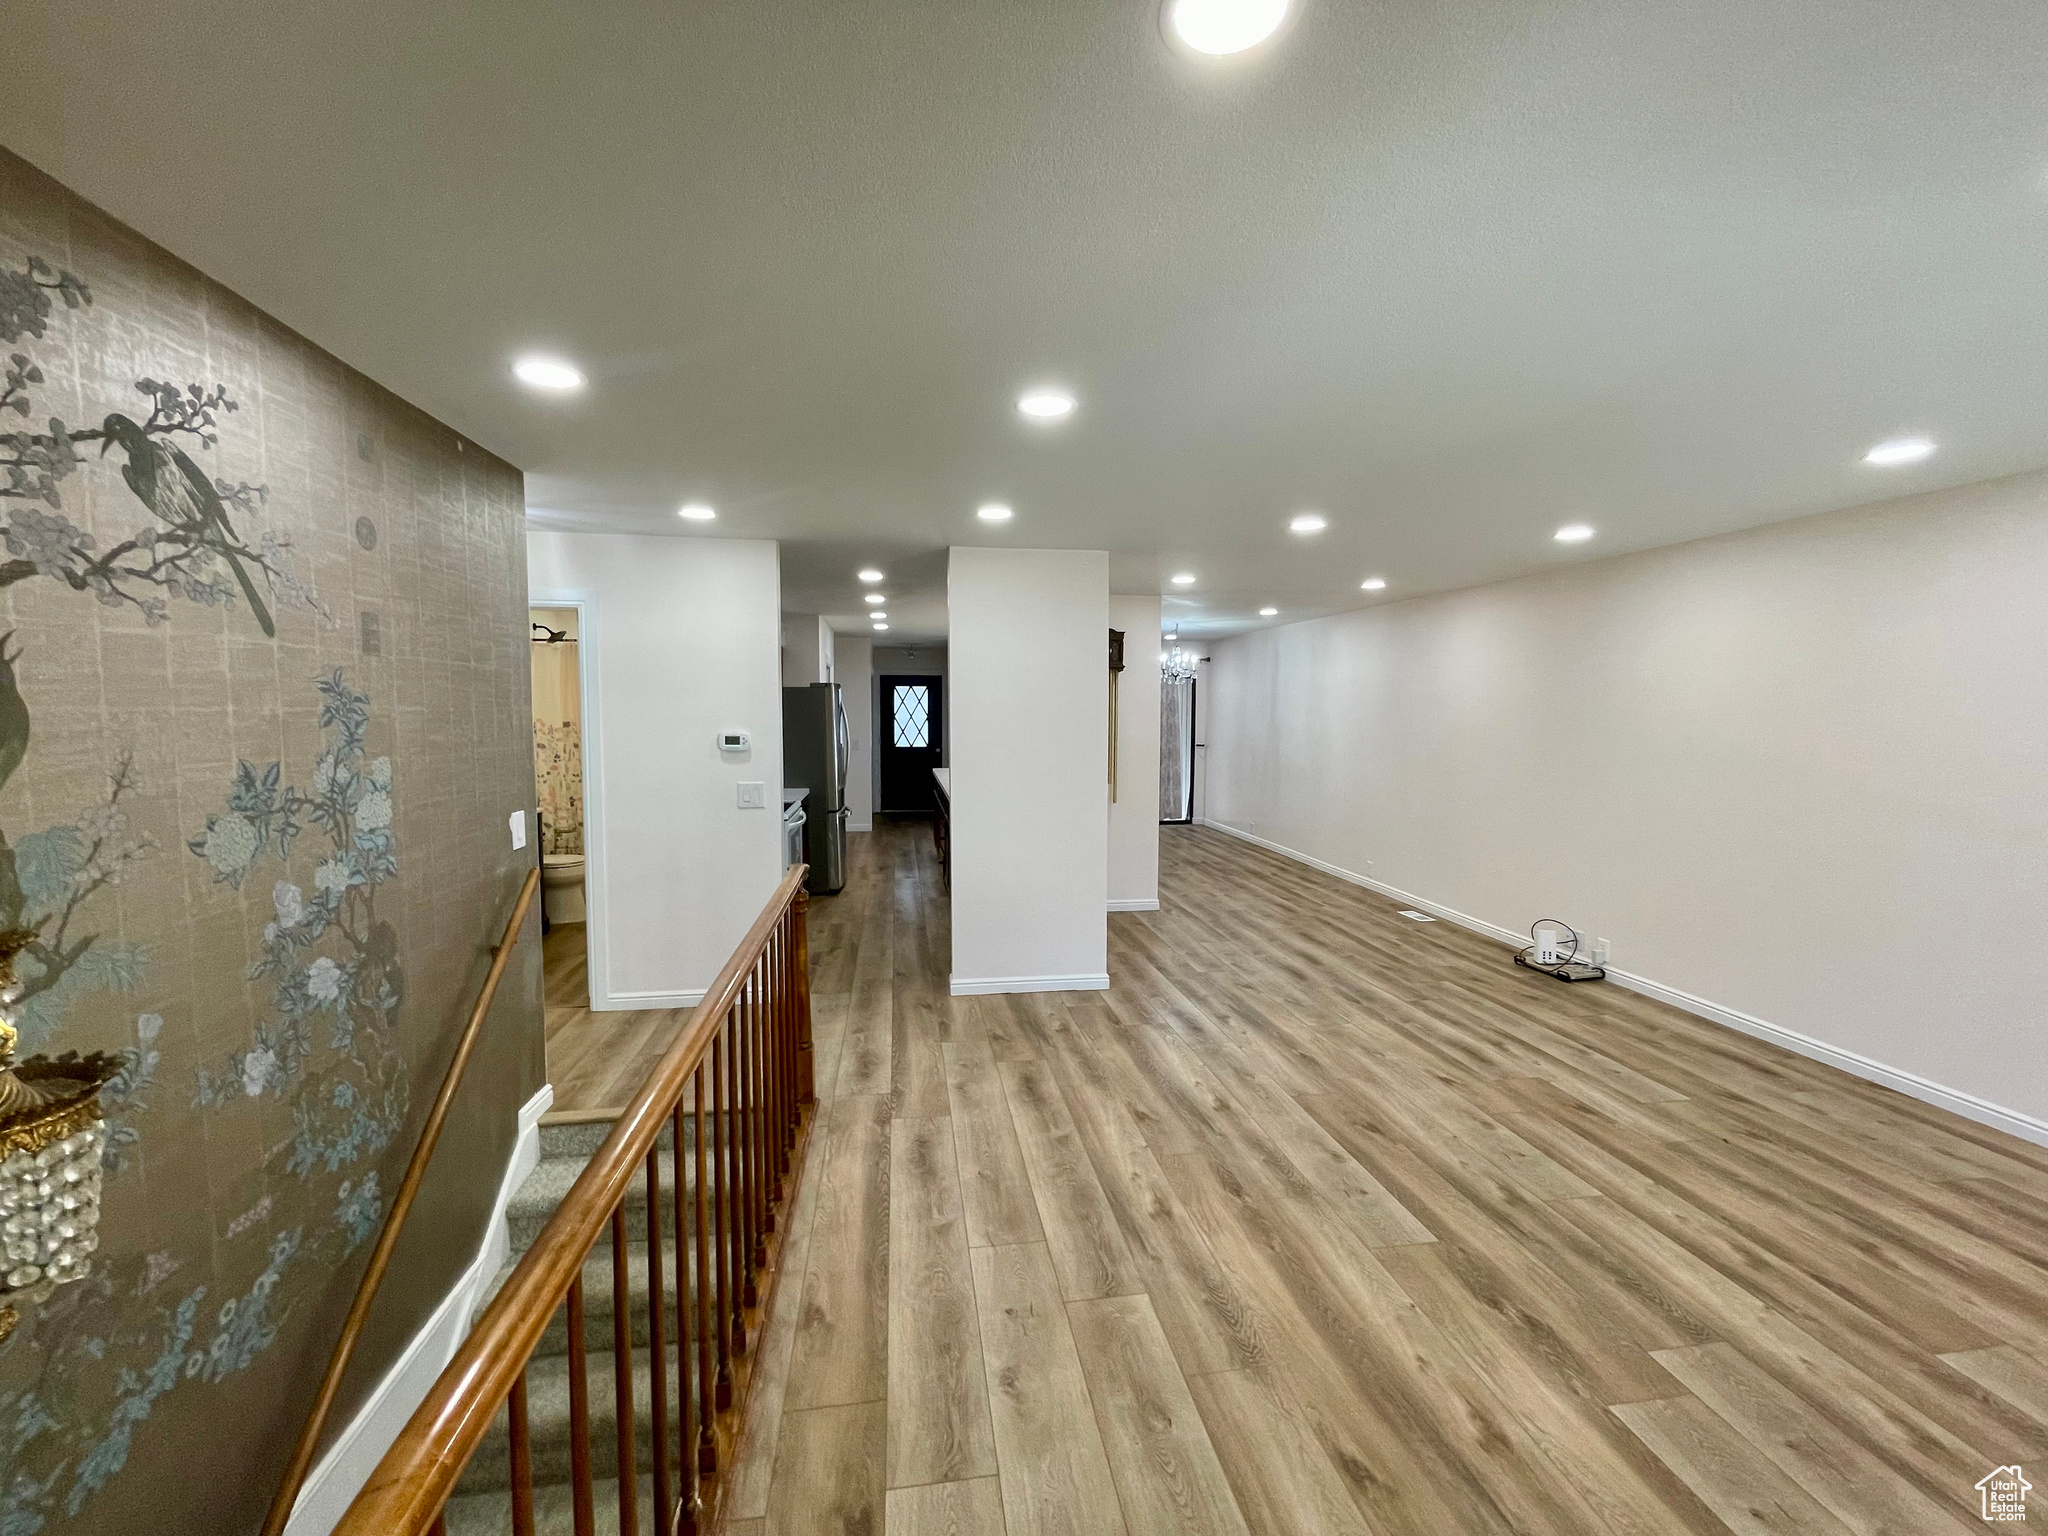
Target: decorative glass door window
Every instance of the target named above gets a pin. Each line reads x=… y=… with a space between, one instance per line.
x=910 y=716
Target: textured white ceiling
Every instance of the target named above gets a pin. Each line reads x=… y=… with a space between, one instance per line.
x=1451 y=274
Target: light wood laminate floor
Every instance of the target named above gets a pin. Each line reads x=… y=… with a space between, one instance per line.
x=595 y=1060
x=1324 y=1221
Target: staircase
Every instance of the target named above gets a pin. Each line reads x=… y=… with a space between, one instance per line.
x=482 y=1503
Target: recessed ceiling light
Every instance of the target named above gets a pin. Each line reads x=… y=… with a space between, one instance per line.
x=1218 y=27
x=881 y=626
x=1184 y=579
x=1574 y=533
x=1308 y=522
x=1373 y=584
x=1267 y=613
x=870 y=574
x=878 y=617
x=696 y=512
x=874 y=597
x=548 y=373
x=994 y=512
x=1046 y=404
x=1893 y=452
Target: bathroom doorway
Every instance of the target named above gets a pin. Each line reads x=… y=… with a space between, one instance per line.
x=558 y=768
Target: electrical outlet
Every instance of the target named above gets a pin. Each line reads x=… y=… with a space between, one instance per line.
x=753 y=797
x=518 y=824
x=1599 y=951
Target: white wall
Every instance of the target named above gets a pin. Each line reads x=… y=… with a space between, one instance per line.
x=1134 y=814
x=1027 y=632
x=853 y=667
x=806 y=650
x=1798 y=774
x=680 y=641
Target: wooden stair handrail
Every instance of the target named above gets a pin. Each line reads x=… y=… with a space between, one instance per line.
x=394 y=1222
x=417 y=1474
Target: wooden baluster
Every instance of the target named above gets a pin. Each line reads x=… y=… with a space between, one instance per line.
x=622 y=1374
x=579 y=1414
x=764 y=1100
x=771 y=1071
x=657 y=1340
x=440 y=1525
x=757 y=1134
x=707 y=1444
x=521 y=1440
x=806 y=1063
x=777 y=1010
x=764 y=1072
x=721 y=1203
x=735 y=1196
x=690 y=1507
x=786 y=937
x=742 y=1168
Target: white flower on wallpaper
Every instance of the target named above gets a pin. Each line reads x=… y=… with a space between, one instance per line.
x=324 y=979
x=333 y=958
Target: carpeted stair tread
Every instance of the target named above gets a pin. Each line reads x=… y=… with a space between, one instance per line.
x=547 y=1417
x=535 y=1201
x=490 y=1514
x=597 y=1297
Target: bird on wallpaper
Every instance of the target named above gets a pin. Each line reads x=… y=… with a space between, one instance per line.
x=13 y=714
x=167 y=482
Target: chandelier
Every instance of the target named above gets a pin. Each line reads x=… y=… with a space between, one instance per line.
x=51 y=1142
x=1175 y=664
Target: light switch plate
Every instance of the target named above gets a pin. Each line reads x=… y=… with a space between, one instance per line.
x=518 y=829
x=753 y=797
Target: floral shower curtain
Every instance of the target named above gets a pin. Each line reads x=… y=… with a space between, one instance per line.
x=558 y=738
x=558 y=775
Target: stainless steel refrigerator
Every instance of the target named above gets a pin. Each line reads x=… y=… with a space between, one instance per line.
x=814 y=758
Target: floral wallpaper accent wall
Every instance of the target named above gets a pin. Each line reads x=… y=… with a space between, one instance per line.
x=264 y=709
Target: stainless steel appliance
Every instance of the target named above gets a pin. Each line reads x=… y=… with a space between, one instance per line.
x=793 y=819
x=814 y=759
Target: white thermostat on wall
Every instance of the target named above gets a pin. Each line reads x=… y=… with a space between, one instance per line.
x=735 y=741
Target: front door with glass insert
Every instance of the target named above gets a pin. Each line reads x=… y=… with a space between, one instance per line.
x=913 y=740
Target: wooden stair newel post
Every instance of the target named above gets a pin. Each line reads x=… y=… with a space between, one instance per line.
x=807 y=1086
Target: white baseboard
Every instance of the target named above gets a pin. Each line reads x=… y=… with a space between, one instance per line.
x=341 y=1473
x=1955 y=1100
x=1134 y=904
x=984 y=986
x=626 y=1002
x=860 y=826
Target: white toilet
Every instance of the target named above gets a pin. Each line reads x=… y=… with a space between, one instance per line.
x=561 y=887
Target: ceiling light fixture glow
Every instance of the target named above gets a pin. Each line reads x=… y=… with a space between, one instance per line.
x=874 y=597
x=1308 y=522
x=870 y=574
x=548 y=373
x=1184 y=579
x=1895 y=451
x=1574 y=533
x=696 y=512
x=1220 y=27
x=1373 y=584
x=994 y=512
x=1046 y=404
x=1267 y=613
x=881 y=627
